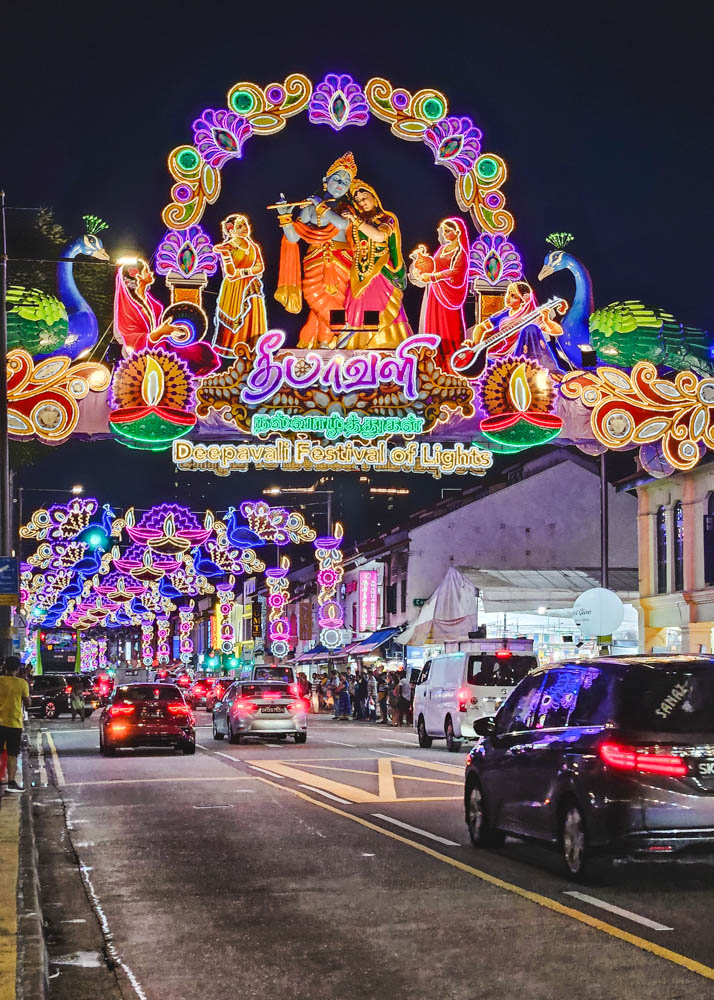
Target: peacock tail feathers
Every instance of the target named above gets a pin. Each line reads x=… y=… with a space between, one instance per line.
x=36 y=321
x=624 y=333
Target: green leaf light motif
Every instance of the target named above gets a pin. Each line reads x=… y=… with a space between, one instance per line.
x=559 y=240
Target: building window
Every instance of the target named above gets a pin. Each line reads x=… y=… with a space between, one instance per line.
x=678 y=546
x=404 y=596
x=709 y=542
x=661 y=550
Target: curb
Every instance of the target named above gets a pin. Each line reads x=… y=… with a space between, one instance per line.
x=33 y=968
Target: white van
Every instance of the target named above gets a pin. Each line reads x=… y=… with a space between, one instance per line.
x=455 y=689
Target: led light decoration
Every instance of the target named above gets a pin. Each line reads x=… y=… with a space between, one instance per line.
x=88 y=655
x=494 y=260
x=518 y=395
x=455 y=143
x=641 y=408
x=152 y=400
x=226 y=607
x=276 y=524
x=188 y=254
x=185 y=631
x=219 y=136
x=147 y=641
x=102 y=653
x=330 y=612
x=278 y=594
x=43 y=397
x=338 y=101
x=169 y=528
x=163 y=632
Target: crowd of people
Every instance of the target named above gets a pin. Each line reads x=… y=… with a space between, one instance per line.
x=368 y=695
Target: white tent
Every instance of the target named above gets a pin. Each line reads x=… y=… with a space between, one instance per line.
x=448 y=616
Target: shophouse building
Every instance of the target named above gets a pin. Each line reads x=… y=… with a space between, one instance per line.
x=676 y=561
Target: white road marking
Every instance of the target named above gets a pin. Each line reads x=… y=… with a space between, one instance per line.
x=338 y=744
x=78 y=921
x=59 y=773
x=328 y=795
x=627 y=914
x=416 y=829
x=214 y=807
x=228 y=756
x=261 y=769
x=402 y=743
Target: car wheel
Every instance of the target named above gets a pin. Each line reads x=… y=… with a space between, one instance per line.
x=104 y=749
x=477 y=820
x=301 y=737
x=51 y=710
x=216 y=734
x=188 y=748
x=452 y=744
x=425 y=740
x=233 y=738
x=573 y=840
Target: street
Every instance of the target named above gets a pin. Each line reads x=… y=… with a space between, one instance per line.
x=337 y=869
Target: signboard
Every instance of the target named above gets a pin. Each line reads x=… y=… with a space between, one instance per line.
x=305 y=620
x=598 y=612
x=9 y=581
x=256 y=620
x=368 y=600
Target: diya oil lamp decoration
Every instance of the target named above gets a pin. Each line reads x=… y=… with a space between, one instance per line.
x=152 y=400
x=518 y=396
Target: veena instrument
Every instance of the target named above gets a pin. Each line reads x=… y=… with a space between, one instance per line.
x=471 y=360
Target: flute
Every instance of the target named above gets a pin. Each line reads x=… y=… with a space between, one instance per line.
x=291 y=204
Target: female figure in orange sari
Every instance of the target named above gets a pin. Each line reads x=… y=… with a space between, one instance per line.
x=326 y=267
x=240 y=312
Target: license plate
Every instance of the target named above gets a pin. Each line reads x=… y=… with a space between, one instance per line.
x=704 y=770
x=272 y=710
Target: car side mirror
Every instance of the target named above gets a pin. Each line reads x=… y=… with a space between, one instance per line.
x=485 y=726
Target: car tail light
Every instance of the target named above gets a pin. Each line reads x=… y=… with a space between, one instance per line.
x=624 y=758
x=503 y=654
x=68 y=689
x=299 y=705
x=464 y=697
x=245 y=706
x=118 y=710
x=271 y=694
x=294 y=689
x=178 y=708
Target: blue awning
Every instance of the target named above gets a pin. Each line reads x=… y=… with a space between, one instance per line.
x=372 y=642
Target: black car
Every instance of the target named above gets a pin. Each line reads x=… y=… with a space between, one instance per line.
x=50 y=694
x=609 y=757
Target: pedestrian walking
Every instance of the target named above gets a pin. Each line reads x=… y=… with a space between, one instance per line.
x=14 y=693
x=394 y=697
x=76 y=698
x=343 y=699
x=405 y=699
x=382 y=697
x=371 y=696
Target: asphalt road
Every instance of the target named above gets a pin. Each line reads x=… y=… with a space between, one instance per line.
x=337 y=869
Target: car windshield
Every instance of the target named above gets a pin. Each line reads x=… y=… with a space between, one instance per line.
x=273 y=674
x=491 y=670
x=148 y=692
x=264 y=691
x=672 y=701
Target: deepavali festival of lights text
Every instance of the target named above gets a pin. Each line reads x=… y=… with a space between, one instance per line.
x=345 y=456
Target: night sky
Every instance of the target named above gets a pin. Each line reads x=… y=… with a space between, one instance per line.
x=602 y=111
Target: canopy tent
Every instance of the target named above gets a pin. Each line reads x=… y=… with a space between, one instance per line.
x=448 y=616
x=506 y=590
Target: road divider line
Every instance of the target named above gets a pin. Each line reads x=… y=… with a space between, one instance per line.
x=328 y=795
x=59 y=773
x=627 y=914
x=416 y=829
x=336 y=743
x=150 y=781
x=404 y=743
x=41 y=761
x=228 y=756
x=230 y=806
x=698 y=968
x=387 y=788
x=263 y=770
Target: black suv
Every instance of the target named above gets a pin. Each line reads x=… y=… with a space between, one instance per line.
x=50 y=694
x=611 y=757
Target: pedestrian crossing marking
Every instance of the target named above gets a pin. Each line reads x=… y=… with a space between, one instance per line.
x=386 y=779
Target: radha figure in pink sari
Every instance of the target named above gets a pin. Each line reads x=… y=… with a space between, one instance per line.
x=378 y=276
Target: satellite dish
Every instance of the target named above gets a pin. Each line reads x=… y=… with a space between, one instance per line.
x=598 y=612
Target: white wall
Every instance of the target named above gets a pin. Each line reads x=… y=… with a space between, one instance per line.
x=550 y=520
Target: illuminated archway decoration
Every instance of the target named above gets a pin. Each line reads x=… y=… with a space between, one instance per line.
x=278 y=595
x=163 y=647
x=185 y=630
x=330 y=611
x=640 y=408
x=147 y=641
x=226 y=608
x=339 y=101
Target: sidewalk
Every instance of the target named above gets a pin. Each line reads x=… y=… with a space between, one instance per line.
x=23 y=956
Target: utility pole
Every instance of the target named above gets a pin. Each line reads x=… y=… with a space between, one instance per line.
x=5 y=517
x=604 y=536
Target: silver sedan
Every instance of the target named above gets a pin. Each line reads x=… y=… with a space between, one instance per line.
x=267 y=709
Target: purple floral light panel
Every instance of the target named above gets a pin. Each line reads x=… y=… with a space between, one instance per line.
x=494 y=260
x=338 y=101
x=188 y=253
x=455 y=142
x=219 y=136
